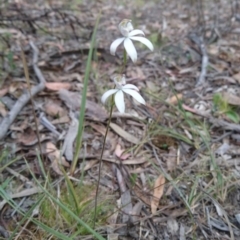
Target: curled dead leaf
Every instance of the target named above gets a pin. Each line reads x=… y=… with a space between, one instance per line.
x=28 y=137
x=174 y=99
x=157 y=193
x=55 y=156
x=53 y=109
x=119 y=152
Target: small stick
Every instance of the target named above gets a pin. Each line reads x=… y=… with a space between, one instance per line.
x=202 y=77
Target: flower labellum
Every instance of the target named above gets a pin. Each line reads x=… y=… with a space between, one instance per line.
x=129 y=34
x=118 y=92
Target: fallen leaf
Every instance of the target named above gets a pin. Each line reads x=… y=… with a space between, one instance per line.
x=127 y=136
x=28 y=137
x=231 y=98
x=55 y=156
x=53 y=109
x=237 y=77
x=3 y=92
x=56 y=86
x=157 y=193
x=119 y=153
x=172 y=159
x=174 y=99
x=3 y=110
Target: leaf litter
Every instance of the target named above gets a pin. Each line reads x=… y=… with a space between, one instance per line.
x=183 y=131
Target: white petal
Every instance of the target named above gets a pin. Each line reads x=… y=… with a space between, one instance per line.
x=115 y=44
x=130 y=86
x=119 y=101
x=131 y=51
x=107 y=94
x=136 y=32
x=144 y=41
x=135 y=95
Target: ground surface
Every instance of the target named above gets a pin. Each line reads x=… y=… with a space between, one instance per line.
x=170 y=169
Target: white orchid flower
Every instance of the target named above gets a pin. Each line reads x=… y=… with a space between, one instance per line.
x=118 y=92
x=129 y=34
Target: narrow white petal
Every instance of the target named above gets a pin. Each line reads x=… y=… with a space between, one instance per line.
x=115 y=44
x=107 y=94
x=135 y=95
x=136 y=32
x=131 y=51
x=119 y=101
x=144 y=41
x=130 y=86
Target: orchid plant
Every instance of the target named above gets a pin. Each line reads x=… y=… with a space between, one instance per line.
x=129 y=34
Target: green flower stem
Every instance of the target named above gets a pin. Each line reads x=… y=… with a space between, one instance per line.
x=100 y=163
x=104 y=141
x=124 y=61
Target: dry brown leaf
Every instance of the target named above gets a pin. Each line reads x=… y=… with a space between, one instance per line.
x=56 y=86
x=231 y=99
x=127 y=136
x=28 y=137
x=174 y=99
x=3 y=92
x=157 y=193
x=237 y=77
x=64 y=119
x=55 y=156
x=53 y=109
x=172 y=159
x=3 y=110
x=119 y=152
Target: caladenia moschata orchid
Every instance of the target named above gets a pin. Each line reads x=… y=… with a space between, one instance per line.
x=120 y=88
x=129 y=35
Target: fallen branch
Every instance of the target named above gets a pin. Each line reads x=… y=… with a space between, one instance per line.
x=24 y=99
x=199 y=41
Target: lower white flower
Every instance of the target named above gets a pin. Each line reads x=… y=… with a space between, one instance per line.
x=119 y=91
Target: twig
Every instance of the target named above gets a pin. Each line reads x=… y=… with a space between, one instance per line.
x=24 y=99
x=201 y=79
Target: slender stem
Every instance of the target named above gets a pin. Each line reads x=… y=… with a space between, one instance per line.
x=124 y=61
x=100 y=163
x=104 y=141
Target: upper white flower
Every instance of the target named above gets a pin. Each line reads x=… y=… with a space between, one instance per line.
x=129 y=34
x=121 y=88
